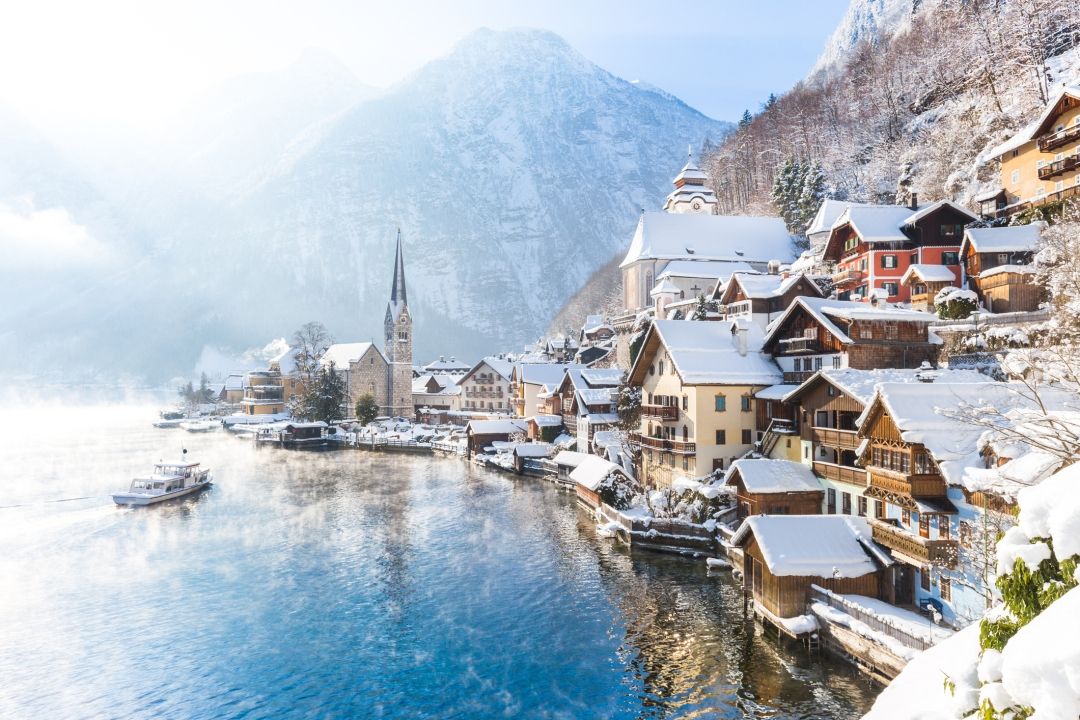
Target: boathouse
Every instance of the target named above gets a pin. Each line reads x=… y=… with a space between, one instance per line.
x=775 y=487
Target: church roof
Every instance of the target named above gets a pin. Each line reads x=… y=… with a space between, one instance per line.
x=341 y=354
x=398 y=298
x=674 y=236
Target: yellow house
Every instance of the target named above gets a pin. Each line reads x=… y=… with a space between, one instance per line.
x=697 y=382
x=1041 y=163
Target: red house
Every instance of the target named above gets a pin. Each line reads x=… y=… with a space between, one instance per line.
x=873 y=246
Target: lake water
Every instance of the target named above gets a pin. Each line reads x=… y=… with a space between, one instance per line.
x=350 y=584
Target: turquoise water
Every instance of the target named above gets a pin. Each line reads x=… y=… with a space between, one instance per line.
x=347 y=584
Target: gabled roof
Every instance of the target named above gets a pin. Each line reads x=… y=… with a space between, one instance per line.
x=602 y=377
x=773 y=476
x=593 y=470
x=1038 y=127
x=827 y=214
x=932 y=207
x=756 y=286
x=286 y=361
x=825 y=311
x=341 y=354
x=496 y=427
x=825 y=546
x=876 y=223
x=550 y=374
x=679 y=236
x=928 y=273
x=705 y=353
x=710 y=269
x=1013 y=238
x=860 y=384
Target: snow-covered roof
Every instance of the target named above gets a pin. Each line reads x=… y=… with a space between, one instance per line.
x=935 y=415
x=758 y=286
x=664 y=286
x=825 y=309
x=547 y=420
x=1013 y=238
x=1017 y=269
x=923 y=211
x=774 y=476
x=1028 y=132
x=601 y=418
x=286 y=361
x=602 y=377
x=775 y=392
x=860 y=384
x=929 y=273
x=597 y=396
x=711 y=269
x=234 y=382
x=813 y=545
x=496 y=427
x=664 y=236
x=570 y=458
x=341 y=354
x=533 y=450
x=876 y=223
x=592 y=471
x=550 y=374
x=451 y=365
x=707 y=353
x=827 y=214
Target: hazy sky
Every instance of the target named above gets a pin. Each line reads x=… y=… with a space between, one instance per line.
x=137 y=62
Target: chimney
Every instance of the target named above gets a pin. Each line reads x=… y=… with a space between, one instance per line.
x=914 y=201
x=774 y=267
x=741 y=333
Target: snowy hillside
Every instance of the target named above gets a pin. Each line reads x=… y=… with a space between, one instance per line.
x=514 y=167
x=866 y=21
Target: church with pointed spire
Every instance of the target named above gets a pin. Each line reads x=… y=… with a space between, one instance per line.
x=397 y=332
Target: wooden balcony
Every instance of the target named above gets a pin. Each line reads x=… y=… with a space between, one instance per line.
x=928 y=485
x=941 y=552
x=671 y=446
x=841 y=473
x=1018 y=207
x=664 y=412
x=842 y=277
x=842 y=439
x=1059 y=138
x=1059 y=167
x=797 y=378
x=799 y=344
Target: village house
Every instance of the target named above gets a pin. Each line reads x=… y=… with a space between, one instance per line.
x=998 y=263
x=532 y=385
x=586 y=400
x=816 y=333
x=589 y=474
x=436 y=391
x=826 y=409
x=762 y=298
x=486 y=385
x=923 y=282
x=873 y=246
x=697 y=380
x=1041 y=163
x=783 y=555
x=263 y=393
x=774 y=487
x=232 y=390
x=481 y=434
x=442 y=366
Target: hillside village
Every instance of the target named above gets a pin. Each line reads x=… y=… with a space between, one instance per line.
x=850 y=429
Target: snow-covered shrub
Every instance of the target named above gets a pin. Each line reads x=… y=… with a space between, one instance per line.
x=618 y=490
x=953 y=303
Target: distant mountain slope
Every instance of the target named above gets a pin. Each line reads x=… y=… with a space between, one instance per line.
x=514 y=167
x=907 y=98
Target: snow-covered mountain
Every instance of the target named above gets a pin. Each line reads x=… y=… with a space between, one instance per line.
x=866 y=21
x=513 y=166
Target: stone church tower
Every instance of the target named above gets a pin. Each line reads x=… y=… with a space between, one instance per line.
x=397 y=328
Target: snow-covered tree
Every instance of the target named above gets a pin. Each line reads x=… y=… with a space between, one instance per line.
x=797 y=193
x=955 y=303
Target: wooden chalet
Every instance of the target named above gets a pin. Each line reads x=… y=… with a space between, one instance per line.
x=827 y=412
x=774 y=487
x=817 y=333
x=783 y=555
x=924 y=282
x=481 y=433
x=761 y=297
x=998 y=264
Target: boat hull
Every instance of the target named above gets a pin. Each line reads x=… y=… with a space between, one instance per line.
x=138 y=499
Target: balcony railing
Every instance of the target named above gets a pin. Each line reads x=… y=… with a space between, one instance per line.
x=1071 y=191
x=924 y=550
x=1059 y=138
x=842 y=439
x=800 y=344
x=916 y=485
x=847 y=276
x=664 y=412
x=1059 y=167
x=797 y=378
x=663 y=445
x=841 y=473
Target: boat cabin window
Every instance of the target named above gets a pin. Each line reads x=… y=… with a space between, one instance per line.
x=138 y=485
x=158 y=485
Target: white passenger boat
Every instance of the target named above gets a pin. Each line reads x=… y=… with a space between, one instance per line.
x=200 y=425
x=168 y=481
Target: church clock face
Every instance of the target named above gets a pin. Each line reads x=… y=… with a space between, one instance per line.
x=696 y=205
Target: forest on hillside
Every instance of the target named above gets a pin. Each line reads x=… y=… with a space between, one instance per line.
x=914 y=110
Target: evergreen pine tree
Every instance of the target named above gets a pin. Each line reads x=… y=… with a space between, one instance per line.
x=746 y=119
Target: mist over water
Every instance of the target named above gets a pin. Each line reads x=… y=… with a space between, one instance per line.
x=351 y=585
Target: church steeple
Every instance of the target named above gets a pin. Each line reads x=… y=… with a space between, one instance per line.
x=691 y=195
x=398 y=297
